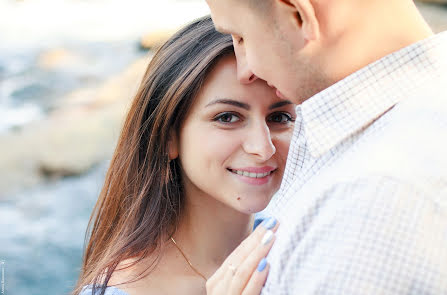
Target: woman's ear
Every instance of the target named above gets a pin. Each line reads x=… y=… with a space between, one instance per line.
x=173 y=145
x=305 y=17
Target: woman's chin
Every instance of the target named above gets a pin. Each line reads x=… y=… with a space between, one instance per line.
x=253 y=207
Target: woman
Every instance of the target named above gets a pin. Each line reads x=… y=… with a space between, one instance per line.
x=199 y=153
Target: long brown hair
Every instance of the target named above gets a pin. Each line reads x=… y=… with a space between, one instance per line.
x=141 y=201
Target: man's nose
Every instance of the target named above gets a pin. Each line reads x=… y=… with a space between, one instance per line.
x=259 y=142
x=244 y=73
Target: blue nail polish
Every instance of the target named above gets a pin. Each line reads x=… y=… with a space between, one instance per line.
x=262 y=264
x=269 y=223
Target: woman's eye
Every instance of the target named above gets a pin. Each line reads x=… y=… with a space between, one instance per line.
x=227 y=118
x=281 y=118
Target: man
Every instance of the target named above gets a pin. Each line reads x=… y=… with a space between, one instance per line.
x=363 y=203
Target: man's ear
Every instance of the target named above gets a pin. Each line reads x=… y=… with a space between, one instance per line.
x=173 y=148
x=305 y=17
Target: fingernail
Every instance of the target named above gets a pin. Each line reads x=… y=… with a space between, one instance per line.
x=269 y=223
x=267 y=237
x=262 y=264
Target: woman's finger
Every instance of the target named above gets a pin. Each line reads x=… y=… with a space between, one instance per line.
x=244 y=249
x=237 y=270
x=248 y=267
x=258 y=279
x=251 y=242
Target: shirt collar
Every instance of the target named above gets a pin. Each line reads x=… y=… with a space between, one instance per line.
x=353 y=103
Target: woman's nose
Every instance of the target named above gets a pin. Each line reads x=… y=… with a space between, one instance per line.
x=258 y=142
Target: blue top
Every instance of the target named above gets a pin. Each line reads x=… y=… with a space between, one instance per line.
x=87 y=290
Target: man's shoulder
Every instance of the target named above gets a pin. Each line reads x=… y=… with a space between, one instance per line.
x=411 y=144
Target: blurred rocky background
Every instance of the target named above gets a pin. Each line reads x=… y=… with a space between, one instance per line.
x=68 y=72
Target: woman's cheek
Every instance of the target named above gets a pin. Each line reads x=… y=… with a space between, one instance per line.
x=282 y=143
x=223 y=144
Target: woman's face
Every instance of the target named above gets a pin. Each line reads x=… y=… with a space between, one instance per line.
x=234 y=142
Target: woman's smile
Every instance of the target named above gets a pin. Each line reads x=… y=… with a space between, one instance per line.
x=253 y=175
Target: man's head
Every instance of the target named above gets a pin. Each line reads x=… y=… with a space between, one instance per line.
x=301 y=47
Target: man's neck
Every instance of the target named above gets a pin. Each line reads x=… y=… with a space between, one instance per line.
x=379 y=28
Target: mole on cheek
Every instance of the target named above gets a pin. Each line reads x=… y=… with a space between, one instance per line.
x=238 y=198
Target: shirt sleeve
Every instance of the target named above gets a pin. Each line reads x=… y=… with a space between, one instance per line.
x=369 y=236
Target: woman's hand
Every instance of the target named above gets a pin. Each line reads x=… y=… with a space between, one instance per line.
x=245 y=270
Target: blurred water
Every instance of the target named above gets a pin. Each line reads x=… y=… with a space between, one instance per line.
x=42 y=233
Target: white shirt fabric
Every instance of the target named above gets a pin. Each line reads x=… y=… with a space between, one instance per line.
x=363 y=203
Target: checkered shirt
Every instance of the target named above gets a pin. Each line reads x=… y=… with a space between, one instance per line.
x=363 y=203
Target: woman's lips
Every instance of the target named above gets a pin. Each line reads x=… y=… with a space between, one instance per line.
x=254 y=175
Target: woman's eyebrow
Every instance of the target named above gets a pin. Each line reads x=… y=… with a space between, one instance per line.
x=230 y=102
x=279 y=104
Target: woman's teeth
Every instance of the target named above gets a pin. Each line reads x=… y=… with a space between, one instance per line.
x=251 y=174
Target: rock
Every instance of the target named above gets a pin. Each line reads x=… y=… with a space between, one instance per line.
x=73 y=139
x=155 y=39
x=57 y=58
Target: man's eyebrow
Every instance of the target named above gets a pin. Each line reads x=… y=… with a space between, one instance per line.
x=280 y=104
x=230 y=102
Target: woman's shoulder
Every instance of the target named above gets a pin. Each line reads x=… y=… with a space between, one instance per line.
x=87 y=290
